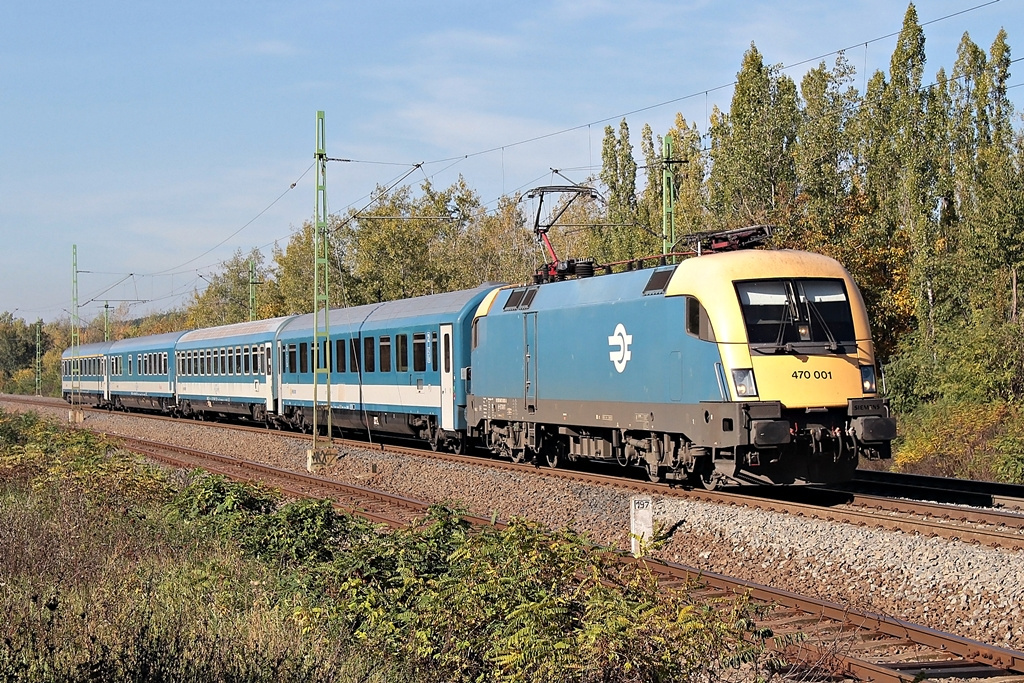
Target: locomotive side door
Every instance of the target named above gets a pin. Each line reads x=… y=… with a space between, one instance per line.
x=530 y=361
x=447 y=380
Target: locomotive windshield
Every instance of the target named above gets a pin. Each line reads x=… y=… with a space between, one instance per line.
x=796 y=315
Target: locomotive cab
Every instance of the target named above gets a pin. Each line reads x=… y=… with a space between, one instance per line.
x=798 y=367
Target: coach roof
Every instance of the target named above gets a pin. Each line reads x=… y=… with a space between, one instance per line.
x=258 y=328
x=450 y=305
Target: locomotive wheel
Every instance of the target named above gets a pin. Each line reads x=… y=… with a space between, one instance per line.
x=555 y=452
x=457 y=444
x=653 y=472
x=704 y=474
x=709 y=482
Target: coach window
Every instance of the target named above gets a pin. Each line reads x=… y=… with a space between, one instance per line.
x=419 y=352
x=368 y=354
x=324 y=362
x=303 y=357
x=293 y=359
x=353 y=355
x=434 y=365
x=385 y=354
x=265 y=364
x=207 y=362
x=447 y=353
x=223 y=361
x=164 y=357
x=402 y=353
x=242 y=362
x=339 y=355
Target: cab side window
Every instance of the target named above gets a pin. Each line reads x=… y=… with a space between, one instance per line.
x=698 y=324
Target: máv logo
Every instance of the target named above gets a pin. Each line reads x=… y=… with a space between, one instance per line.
x=620 y=355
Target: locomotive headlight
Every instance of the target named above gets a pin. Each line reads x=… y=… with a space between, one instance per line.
x=867 y=379
x=744 y=381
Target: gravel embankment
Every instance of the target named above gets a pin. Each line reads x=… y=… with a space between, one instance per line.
x=973 y=591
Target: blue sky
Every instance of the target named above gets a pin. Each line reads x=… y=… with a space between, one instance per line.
x=149 y=132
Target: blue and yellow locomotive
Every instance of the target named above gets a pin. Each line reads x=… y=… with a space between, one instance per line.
x=745 y=367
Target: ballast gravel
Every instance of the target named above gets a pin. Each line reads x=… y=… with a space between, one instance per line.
x=976 y=592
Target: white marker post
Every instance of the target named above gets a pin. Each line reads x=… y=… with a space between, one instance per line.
x=641 y=522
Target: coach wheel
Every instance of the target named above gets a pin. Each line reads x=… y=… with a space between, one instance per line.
x=518 y=455
x=456 y=444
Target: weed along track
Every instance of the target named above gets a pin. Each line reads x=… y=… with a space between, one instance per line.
x=860 y=560
x=377 y=506
x=809 y=632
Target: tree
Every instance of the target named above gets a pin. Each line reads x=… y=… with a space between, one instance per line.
x=824 y=157
x=624 y=235
x=226 y=297
x=18 y=344
x=753 y=177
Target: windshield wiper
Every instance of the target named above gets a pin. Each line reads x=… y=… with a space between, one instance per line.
x=833 y=345
x=777 y=348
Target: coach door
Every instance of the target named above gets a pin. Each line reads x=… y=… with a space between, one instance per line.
x=447 y=379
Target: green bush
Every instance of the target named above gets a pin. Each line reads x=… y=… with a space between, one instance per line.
x=963 y=439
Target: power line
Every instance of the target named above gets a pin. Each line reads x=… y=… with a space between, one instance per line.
x=247 y=224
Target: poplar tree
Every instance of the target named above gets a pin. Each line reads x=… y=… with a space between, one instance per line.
x=624 y=236
x=753 y=177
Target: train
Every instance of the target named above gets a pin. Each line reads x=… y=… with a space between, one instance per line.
x=741 y=367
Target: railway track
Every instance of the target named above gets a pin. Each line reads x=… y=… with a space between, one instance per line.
x=834 y=638
x=986 y=494
x=986 y=526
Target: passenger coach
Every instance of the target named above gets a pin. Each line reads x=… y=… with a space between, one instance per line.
x=84 y=377
x=395 y=367
x=229 y=370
